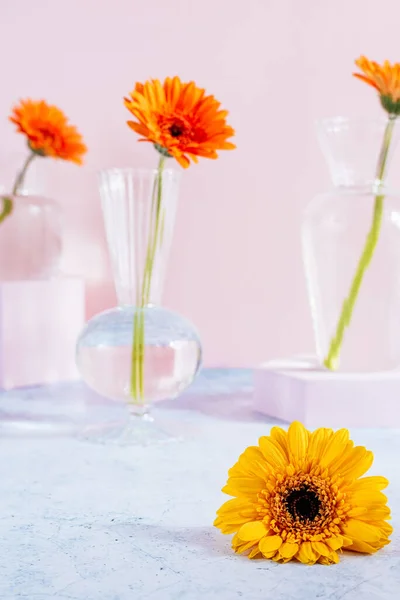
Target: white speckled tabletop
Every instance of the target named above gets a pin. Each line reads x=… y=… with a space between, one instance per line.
x=80 y=521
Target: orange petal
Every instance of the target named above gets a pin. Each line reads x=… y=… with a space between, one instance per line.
x=367 y=80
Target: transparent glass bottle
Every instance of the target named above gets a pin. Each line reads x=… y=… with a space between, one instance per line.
x=30 y=238
x=166 y=356
x=336 y=228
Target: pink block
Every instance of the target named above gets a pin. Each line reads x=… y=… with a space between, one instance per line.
x=39 y=325
x=297 y=390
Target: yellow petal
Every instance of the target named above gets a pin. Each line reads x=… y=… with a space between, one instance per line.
x=358 y=530
x=235 y=506
x=297 y=441
x=384 y=527
x=355 y=465
x=243 y=486
x=288 y=549
x=227 y=529
x=270 y=543
x=279 y=436
x=255 y=553
x=375 y=482
x=368 y=498
x=252 y=463
x=272 y=453
x=335 y=447
x=309 y=551
x=346 y=541
x=254 y=530
x=359 y=546
x=321 y=548
x=335 y=542
x=269 y=554
x=375 y=514
x=237 y=519
x=357 y=511
x=332 y=559
x=239 y=549
x=240 y=515
x=236 y=541
x=278 y=558
x=317 y=443
x=304 y=556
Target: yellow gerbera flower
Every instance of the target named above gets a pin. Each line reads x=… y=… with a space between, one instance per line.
x=300 y=495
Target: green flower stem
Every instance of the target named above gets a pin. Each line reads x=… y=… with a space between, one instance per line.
x=7 y=207
x=138 y=345
x=137 y=359
x=8 y=203
x=332 y=359
x=153 y=242
x=137 y=373
x=21 y=175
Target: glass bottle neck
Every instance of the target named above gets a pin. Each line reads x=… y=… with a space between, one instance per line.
x=368 y=187
x=139 y=213
x=358 y=151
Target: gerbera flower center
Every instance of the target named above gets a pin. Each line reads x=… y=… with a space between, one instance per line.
x=47 y=134
x=176 y=130
x=42 y=139
x=303 y=504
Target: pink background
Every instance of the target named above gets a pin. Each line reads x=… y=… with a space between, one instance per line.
x=236 y=267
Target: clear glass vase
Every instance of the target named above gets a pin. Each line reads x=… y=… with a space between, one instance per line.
x=139 y=352
x=351 y=249
x=30 y=238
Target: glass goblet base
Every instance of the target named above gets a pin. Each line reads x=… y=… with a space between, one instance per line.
x=139 y=429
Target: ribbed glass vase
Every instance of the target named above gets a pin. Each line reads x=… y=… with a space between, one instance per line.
x=139 y=352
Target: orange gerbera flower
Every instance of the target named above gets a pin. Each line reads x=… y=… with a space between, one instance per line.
x=179 y=119
x=385 y=79
x=48 y=131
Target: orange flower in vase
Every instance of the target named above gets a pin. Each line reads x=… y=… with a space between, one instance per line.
x=48 y=133
x=385 y=79
x=184 y=123
x=179 y=119
x=27 y=252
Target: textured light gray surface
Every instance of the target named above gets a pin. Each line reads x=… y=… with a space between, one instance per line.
x=87 y=522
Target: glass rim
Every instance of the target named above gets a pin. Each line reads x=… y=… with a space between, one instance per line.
x=139 y=170
x=342 y=120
